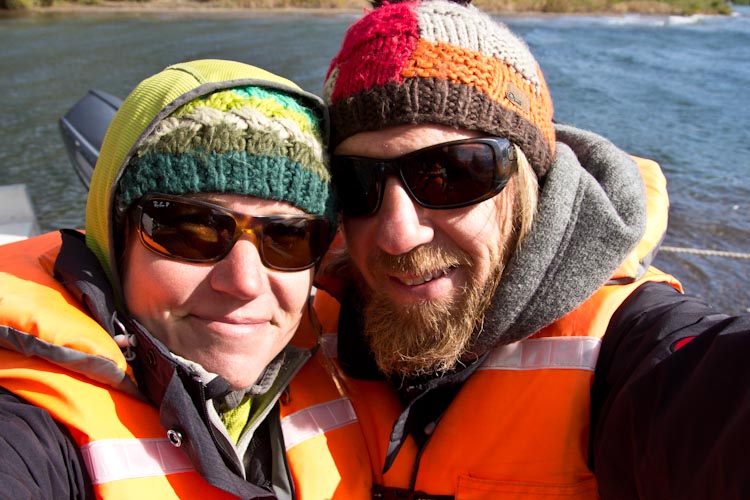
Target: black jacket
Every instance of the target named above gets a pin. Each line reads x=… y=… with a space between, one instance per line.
x=38 y=459
x=671 y=401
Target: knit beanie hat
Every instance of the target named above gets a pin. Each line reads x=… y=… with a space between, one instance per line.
x=441 y=62
x=244 y=140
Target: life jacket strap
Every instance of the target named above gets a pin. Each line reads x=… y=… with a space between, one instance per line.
x=388 y=493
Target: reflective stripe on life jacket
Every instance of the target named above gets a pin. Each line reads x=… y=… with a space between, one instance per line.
x=317 y=420
x=550 y=353
x=110 y=460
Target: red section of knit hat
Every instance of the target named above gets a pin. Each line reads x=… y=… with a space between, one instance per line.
x=375 y=52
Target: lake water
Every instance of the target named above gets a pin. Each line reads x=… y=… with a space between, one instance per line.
x=668 y=88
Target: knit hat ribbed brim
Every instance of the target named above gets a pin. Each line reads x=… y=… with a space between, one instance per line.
x=435 y=61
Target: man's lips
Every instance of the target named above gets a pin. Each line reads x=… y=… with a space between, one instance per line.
x=420 y=279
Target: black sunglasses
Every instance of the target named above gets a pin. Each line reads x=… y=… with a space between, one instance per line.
x=192 y=230
x=448 y=175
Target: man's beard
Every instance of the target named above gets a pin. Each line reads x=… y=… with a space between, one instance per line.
x=429 y=337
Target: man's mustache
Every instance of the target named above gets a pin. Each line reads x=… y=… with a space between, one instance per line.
x=421 y=260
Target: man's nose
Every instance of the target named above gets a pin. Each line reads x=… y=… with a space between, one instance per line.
x=402 y=224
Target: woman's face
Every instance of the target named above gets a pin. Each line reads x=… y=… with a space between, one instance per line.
x=233 y=316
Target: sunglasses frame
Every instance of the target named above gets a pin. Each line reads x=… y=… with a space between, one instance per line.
x=243 y=224
x=503 y=150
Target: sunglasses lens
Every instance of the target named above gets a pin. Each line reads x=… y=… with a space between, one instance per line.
x=194 y=231
x=293 y=243
x=451 y=175
x=186 y=231
x=359 y=184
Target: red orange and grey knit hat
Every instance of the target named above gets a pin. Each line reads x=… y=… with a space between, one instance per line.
x=442 y=62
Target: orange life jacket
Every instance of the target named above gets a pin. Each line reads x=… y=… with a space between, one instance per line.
x=57 y=357
x=519 y=426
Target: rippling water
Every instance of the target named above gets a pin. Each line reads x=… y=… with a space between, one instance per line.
x=667 y=88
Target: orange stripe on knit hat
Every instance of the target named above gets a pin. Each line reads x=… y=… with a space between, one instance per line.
x=436 y=61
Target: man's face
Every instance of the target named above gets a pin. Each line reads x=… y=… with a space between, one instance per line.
x=233 y=316
x=428 y=274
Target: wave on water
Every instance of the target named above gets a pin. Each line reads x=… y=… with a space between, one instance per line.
x=657 y=21
x=645 y=20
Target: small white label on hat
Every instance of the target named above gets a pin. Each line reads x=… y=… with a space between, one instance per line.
x=517 y=96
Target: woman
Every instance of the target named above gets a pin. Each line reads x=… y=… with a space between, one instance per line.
x=152 y=358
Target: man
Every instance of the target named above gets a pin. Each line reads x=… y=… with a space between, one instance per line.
x=500 y=331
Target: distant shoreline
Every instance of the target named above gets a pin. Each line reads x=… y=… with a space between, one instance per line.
x=271 y=7
x=164 y=6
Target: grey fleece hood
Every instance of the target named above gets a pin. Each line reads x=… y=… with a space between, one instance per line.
x=591 y=214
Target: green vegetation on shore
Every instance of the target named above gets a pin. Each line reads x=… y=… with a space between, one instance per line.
x=656 y=7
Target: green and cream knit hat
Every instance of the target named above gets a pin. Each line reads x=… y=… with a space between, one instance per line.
x=209 y=126
x=440 y=62
x=243 y=140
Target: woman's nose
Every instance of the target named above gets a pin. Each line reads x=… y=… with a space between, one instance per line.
x=241 y=272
